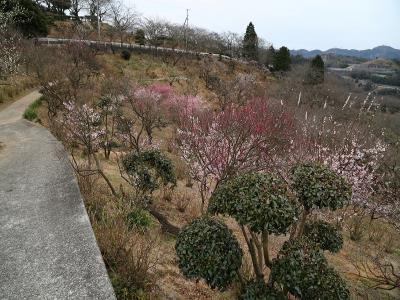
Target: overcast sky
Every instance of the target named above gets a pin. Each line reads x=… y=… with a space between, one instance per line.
x=309 y=24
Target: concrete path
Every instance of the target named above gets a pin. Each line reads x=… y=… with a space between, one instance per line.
x=47 y=246
x=14 y=111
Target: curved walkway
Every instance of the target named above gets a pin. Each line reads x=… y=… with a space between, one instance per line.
x=47 y=246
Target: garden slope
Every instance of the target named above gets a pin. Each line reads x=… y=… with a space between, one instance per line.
x=47 y=247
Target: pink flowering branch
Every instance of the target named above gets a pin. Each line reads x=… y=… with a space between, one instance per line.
x=219 y=145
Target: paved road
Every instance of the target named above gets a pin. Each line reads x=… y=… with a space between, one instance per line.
x=118 y=45
x=47 y=246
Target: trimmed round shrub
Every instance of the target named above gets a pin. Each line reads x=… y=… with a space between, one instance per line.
x=207 y=249
x=149 y=169
x=138 y=218
x=302 y=269
x=333 y=286
x=125 y=54
x=325 y=235
x=258 y=290
x=257 y=200
x=318 y=185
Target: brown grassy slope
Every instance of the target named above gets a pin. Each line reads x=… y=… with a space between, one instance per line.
x=169 y=283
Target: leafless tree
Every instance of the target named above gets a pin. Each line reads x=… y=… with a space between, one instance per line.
x=155 y=31
x=123 y=19
x=76 y=7
x=233 y=43
x=381 y=273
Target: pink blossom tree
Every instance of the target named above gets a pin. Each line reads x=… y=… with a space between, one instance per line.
x=219 y=145
x=147 y=104
x=83 y=127
x=351 y=150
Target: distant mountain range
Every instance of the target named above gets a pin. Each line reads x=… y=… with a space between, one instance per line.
x=377 y=52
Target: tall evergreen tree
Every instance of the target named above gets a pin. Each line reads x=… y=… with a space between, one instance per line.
x=32 y=22
x=140 y=37
x=282 y=59
x=317 y=71
x=250 y=43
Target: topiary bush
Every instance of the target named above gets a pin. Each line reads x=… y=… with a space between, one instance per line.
x=318 y=185
x=257 y=200
x=147 y=170
x=258 y=290
x=125 y=54
x=332 y=286
x=207 y=249
x=325 y=235
x=302 y=269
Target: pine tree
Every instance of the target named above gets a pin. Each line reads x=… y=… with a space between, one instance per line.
x=250 y=43
x=316 y=71
x=282 y=59
x=140 y=37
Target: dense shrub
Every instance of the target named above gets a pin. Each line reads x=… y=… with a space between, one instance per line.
x=258 y=290
x=282 y=59
x=139 y=219
x=392 y=79
x=257 y=200
x=33 y=22
x=126 y=55
x=317 y=185
x=148 y=169
x=303 y=270
x=30 y=112
x=325 y=235
x=207 y=249
x=332 y=286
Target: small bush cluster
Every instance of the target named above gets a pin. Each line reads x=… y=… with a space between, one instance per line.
x=303 y=270
x=317 y=185
x=325 y=235
x=30 y=112
x=259 y=290
x=149 y=169
x=125 y=54
x=207 y=249
x=262 y=204
x=138 y=219
x=257 y=200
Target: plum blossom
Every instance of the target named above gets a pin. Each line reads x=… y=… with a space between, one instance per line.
x=10 y=40
x=83 y=126
x=218 y=145
x=350 y=151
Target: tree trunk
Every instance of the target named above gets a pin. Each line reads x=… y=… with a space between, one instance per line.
x=253 y=254
x=100 y=171
x=259 y=248
x=264 y=238
x=166 y=226
x=303 y=219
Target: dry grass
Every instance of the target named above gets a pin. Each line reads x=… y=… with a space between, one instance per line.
x=142 y=265
x=14 y=88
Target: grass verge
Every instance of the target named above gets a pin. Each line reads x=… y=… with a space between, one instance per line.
x=30 y=112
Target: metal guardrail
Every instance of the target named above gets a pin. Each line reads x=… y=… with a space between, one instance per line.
x=128 y=46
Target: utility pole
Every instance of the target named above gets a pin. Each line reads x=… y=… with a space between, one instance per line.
x=98 y=19
x=186 y=27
